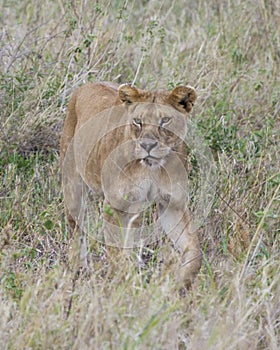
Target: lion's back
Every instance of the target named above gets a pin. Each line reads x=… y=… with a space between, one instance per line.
x=86 y=102
x=91 y=99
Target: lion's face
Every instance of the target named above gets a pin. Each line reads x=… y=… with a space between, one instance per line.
x=157 y=121
x=157 y=131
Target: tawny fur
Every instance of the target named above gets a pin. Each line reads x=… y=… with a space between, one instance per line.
x=144 y=112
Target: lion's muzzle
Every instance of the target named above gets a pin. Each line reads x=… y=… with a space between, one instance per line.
x=148 y=144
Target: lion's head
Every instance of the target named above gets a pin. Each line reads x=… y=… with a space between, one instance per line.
x=158 y=126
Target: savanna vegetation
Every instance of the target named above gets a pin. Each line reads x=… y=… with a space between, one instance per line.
x=230 y=51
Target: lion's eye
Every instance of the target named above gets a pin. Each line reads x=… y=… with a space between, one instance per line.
x=165 y=120
x=137 y=122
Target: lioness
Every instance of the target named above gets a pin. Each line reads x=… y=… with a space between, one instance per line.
x=127 y=145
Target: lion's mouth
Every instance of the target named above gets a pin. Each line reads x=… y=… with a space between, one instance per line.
x=152 y=161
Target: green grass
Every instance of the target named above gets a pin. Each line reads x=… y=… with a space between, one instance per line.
x=230 y=52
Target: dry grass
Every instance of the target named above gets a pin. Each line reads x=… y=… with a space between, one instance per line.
x=230 y=52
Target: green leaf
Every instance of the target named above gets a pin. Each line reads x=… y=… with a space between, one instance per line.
x=48 y=224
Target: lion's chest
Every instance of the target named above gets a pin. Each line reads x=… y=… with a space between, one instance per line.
x=132 y=189
x=140 y=191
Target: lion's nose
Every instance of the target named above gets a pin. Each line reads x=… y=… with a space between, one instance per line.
x=148 y=145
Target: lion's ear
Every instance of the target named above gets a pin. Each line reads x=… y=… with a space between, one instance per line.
x=128 y=93
x=183 y=98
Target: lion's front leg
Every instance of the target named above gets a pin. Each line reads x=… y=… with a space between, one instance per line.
x=119 y=235
x=177 y=224
x=120 y=226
